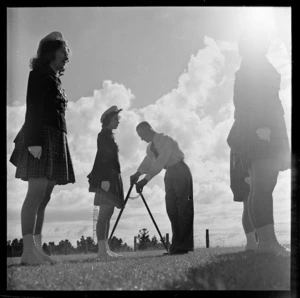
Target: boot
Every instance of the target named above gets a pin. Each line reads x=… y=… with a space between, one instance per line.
x=38 y=245
x=30 y=255
x=251 y=242
x=102 y=252
x=267 y=241
x=111 y=253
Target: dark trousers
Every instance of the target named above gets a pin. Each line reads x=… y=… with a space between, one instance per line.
x=180 y=206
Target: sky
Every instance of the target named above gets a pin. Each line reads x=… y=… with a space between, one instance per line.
x=171 y=66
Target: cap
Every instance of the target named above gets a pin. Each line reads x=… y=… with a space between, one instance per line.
x=108 y=111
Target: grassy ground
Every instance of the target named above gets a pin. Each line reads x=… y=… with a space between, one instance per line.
x=203 y=269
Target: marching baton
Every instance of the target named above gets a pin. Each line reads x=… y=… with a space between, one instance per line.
x=162 y=240
x=121 y=211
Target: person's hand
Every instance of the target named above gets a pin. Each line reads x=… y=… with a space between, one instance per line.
x=36 y=151
x=134 y=178
x=105 y=185
x=139 y=186
x=248 y=180
x=264 y=133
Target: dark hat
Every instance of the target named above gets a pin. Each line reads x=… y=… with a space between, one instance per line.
x=55 y=35
x=108 y=111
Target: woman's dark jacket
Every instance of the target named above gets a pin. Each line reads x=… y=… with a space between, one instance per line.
x=257 y=104
x=106 y=165
x=45 y=105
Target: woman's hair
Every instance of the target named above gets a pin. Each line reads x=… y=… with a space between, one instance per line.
x=107 y=119
x=46 y=54
x=252 y=42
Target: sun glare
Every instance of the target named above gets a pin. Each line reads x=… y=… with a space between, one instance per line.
x=255 y=18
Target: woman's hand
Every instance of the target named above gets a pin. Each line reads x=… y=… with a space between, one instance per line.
x=105 y=185
x=36 y=151
x=264 y=133
x=248 y=180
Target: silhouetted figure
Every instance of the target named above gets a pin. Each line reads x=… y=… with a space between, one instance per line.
x=41 y=153
x=105 y=179
x=258 y=141
x=163 y=153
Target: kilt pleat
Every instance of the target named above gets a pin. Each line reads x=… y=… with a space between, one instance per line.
x=55 y=162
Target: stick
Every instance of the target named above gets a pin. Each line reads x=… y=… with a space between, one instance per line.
x=120 y=213
x=162 y=240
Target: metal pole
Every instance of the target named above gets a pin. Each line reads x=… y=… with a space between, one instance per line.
x=120 y=213
x=167 y=240
x=135 y=244
x=162 y=240
x=207 y=238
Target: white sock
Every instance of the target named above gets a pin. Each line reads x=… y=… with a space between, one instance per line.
x=38 y=244
x=30 y=255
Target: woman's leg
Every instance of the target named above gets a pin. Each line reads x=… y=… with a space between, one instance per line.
x=40 y=221
x=42 y=207
x=35 y=195
x=246 y=221
x=105 y=213
x=264 y=174
x=264 y=179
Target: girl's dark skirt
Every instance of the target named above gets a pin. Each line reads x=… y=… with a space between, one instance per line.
x=246 y=147
x=114 y=196
x=55 y=162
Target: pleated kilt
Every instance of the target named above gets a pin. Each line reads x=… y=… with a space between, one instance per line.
x=246 y=147
x=244 y=140
x=114 y=196
x=55 y=162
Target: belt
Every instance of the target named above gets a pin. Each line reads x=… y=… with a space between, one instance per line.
x=177 y=162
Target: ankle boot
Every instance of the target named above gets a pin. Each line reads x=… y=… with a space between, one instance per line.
x=30 y=255
x=38 y=245
x=267 y=241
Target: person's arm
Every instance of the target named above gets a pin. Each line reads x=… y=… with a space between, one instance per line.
x=161 y=160
x=104 y=157
x=36 y=93
x=145 y=165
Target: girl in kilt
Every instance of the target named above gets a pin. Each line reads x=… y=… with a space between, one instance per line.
x=105 y=179
x=258 y=140
x=41 y=153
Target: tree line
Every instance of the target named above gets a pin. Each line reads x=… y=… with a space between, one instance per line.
x=86 y=245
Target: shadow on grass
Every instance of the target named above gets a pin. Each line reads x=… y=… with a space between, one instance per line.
x=237 y=271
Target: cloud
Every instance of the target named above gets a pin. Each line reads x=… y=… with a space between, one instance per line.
x=198 y=114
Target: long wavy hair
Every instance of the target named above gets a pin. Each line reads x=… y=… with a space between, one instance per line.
x=46 y=54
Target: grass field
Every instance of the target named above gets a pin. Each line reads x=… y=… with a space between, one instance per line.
x=203 y=269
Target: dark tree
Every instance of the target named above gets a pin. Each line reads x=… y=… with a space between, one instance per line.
x=144 y=239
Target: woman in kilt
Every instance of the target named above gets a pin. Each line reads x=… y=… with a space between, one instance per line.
x=41 y=153
x=105 y=179
x=258 y=141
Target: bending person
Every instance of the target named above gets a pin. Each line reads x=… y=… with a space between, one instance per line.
x=105 y=179
x=259 y=136
x=41 y=153
x=163 y=153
